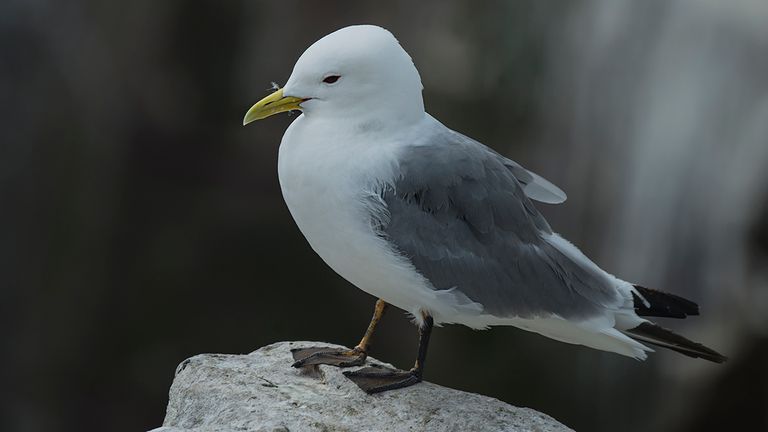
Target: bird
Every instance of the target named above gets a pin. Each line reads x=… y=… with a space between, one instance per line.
x=436 y=223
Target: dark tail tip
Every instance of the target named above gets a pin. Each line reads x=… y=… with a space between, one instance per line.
x=659 y=336
x=663 y=304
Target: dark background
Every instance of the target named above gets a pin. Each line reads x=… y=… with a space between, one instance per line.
x=142 y=224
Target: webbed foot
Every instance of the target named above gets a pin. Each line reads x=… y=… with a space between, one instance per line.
x=377 y=379
x=327 y=356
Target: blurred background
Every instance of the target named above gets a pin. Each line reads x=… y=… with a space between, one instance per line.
x=142 y=224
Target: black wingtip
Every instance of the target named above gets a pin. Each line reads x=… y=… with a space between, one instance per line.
x=662 y=304
x=659 y=336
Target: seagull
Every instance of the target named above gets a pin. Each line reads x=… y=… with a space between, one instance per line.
x=435 y=223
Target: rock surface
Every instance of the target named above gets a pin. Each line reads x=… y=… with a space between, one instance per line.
x=262 y=392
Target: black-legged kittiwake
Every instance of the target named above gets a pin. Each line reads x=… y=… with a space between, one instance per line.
x=436 y=223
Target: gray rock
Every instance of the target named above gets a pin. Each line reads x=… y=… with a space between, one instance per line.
x=262 y=392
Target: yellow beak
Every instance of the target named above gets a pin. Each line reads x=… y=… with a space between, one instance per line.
x=272 y=104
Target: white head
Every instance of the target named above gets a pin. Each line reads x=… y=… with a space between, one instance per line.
x=359 y=72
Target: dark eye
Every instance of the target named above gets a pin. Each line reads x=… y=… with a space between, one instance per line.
x=330 y=79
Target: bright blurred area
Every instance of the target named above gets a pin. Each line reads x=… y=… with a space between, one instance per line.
x=142 y=224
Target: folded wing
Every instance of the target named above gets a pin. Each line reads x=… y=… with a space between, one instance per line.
x=461 y=215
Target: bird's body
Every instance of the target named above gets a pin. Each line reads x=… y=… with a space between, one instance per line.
x=335 y=191
x=433 y=222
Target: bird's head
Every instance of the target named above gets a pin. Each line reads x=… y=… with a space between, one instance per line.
x=358 y=71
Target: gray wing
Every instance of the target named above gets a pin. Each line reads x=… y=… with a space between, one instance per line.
x=460 y=215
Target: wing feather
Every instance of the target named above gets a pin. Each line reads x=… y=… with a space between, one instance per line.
x=535 y=186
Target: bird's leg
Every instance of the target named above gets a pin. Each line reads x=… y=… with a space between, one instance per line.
x=337 y=357
x=376 y=379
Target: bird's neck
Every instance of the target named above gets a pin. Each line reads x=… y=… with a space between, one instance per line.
x=375 y=122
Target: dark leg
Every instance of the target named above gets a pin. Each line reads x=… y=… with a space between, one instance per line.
x=378 y=379
x=337 y=357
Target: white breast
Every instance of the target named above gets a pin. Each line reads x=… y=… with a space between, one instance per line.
x=327 y=180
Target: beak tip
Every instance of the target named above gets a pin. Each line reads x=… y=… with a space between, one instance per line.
x=249 y=118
